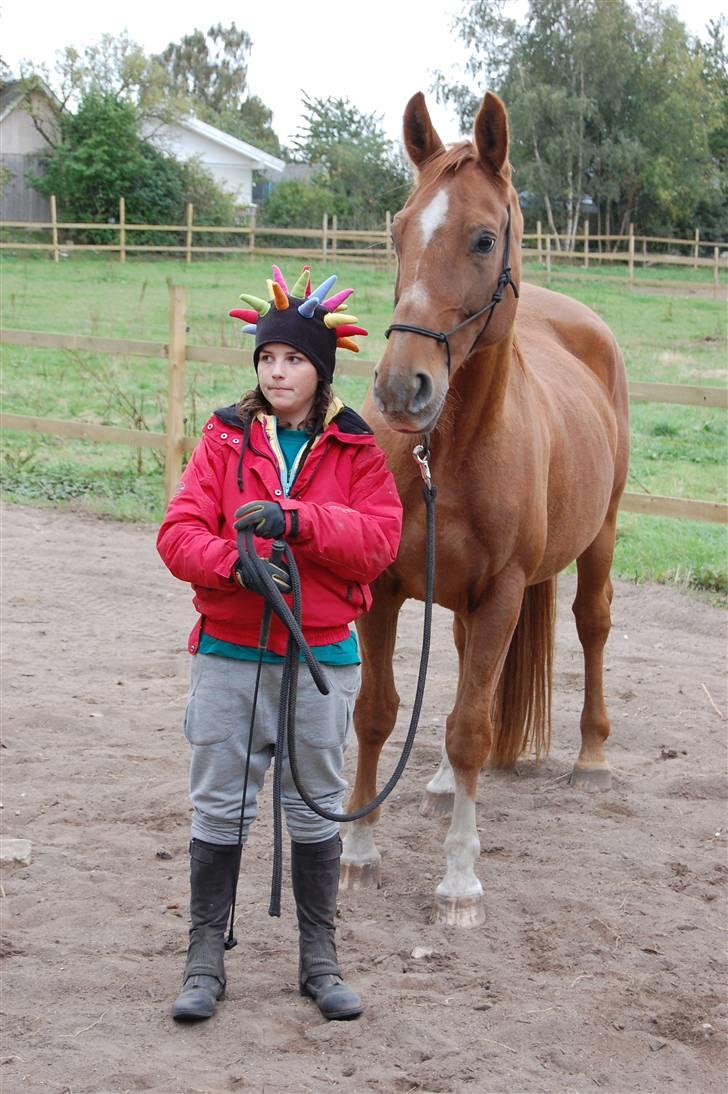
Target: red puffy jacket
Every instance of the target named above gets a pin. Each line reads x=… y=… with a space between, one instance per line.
x=349 y=526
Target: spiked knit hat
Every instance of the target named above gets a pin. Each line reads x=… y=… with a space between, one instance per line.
x=302 y=318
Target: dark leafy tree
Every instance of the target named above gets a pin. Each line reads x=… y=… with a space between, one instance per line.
x=362 y=172
x=607 y=98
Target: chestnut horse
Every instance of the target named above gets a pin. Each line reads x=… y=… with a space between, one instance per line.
x=523 y=394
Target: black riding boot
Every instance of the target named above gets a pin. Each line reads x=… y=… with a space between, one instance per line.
x=315 y=875
x=213 y=871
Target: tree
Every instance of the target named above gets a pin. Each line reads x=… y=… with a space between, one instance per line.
x=353 y=160
x=210 y=72
x=714 y=205
x=593 y=87
x=101 y=158
x=114 y=67
x=203 y=74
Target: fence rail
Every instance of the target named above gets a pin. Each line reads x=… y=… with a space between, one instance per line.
x=175 y=444
x=375 y=245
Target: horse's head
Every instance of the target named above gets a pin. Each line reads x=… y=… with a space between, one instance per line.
x=458 y=244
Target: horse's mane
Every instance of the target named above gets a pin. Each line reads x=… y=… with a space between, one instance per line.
x=453 y=158
x=449 y=161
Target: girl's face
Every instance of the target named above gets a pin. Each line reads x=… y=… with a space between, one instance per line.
x=288 y=380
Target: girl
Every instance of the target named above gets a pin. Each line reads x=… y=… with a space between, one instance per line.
x=290 y=461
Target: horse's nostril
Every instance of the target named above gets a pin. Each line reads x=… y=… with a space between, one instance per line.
x=423 y=392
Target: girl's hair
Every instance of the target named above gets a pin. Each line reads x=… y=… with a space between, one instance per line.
x=254 y=401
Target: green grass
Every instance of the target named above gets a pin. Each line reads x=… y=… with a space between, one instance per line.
x=668 y=333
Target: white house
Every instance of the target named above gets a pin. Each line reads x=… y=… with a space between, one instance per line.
x=230 y=161
x=22 y=149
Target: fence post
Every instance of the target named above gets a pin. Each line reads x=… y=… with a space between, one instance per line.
x=586 y=243
x=548 y=259
x=388 y=240
x=54 y=228
x=335 y=229
x=122 y=230
x=696 y=248
x=188 y=236
x=324 y=234
x=630 y=256
x=716 y=281
x=251 y=237
x=176 y=355
x=539 y=247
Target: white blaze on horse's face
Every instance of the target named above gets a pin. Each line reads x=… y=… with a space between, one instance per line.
x=433 y=215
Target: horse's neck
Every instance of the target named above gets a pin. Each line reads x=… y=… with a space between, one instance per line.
x=478 y=392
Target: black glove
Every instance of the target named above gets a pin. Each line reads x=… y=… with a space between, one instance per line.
x=266 y=518
x=246 y=576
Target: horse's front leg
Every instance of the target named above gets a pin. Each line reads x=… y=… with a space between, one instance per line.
x=374 y=717
x=439 y=793
x=487 y=635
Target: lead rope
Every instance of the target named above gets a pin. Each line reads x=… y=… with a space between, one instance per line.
x=287 y=701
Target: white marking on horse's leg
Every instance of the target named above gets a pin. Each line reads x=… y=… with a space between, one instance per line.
x=439 y=793
x=433 y=215
x=360 y=859
x=359 y=846
x=462 y=848
x=443 y=781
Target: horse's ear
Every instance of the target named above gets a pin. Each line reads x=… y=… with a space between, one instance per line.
x=420 y=137
x=491 y=133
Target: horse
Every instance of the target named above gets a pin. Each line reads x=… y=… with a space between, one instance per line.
x=522 y=395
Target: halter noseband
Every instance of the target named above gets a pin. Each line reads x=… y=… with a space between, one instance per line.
x=505 y=279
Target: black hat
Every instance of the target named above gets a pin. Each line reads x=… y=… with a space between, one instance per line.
x=303 y=319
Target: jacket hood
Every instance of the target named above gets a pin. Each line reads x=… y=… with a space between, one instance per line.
x=346 y=421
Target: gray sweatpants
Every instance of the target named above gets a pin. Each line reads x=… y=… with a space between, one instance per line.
x=217 y=724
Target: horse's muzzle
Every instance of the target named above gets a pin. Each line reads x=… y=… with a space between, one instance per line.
x=407 y=399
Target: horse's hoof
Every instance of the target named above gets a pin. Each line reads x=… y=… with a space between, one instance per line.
x=355 y=876
x=590 y=778
x=436 y=805
x=458 y=911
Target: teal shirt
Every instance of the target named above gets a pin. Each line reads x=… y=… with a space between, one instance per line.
x=291 y=442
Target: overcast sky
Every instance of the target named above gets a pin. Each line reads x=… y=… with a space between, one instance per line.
x=377 y=53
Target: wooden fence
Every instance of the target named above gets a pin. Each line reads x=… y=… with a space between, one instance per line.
x=363 y=245
x=175 y=444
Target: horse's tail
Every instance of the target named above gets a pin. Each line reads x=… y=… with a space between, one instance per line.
x=522 y=706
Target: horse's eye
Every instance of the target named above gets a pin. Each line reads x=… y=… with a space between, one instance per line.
x=483 y=244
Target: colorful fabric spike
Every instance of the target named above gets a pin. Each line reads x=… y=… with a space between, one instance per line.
x=247 y=315
x=302 y=287
x=347 y=343
x=261 y=306
x=324 y=288
x=338 y=299
x=308 y=307
x=280 y=299
x=334 y=320
x=347 y=331
x=280 y=280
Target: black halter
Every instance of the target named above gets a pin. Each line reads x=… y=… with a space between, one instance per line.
x=504 y=280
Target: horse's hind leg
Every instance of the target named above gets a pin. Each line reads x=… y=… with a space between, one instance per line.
x=374 y=717
x=591 y=609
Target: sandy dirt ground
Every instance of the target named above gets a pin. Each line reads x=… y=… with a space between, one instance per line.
x=601 y=962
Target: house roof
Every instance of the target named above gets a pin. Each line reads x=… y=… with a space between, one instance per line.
x=14 y=91
x=232 y=143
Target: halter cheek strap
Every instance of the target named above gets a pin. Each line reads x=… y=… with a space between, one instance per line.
x=505 y=278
